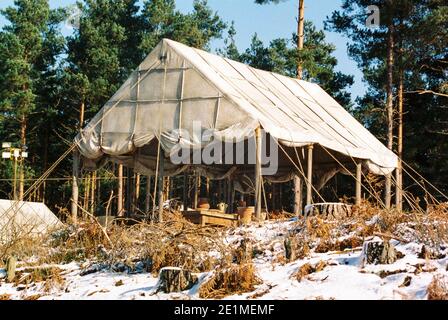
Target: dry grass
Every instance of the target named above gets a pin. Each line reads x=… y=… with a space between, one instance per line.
x=176 y=242
x=438 y=288
x=307 y=268
x=234 y=280
x=4 y=297
x=50 y=276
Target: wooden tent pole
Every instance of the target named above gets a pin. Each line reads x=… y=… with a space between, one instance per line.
x=137 y=187
x=358 y=182
x=148 y=194
x=197 y=184
x=160 y=184
x=120 y=191
x=258 y=173
x=309 y=180
x=184 y=192
x=298 y=186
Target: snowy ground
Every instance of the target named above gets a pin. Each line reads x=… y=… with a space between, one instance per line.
x=344 y=278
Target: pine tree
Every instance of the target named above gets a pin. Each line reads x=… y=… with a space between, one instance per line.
x=418 y=31
x=28 y=45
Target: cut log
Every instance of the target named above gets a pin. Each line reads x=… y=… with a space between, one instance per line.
x=174 y=279
x=377 y=251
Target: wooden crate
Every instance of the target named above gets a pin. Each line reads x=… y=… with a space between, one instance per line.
x=211 y=217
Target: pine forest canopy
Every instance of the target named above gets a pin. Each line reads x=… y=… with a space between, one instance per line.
x=51 y=86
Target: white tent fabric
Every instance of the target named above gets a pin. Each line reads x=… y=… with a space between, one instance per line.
x=23 y=218
x=177 y=85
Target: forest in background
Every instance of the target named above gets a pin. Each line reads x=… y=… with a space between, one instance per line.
x=51 y=85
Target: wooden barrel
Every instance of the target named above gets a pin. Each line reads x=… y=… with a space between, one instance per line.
x=245 y=214
x=203 y=203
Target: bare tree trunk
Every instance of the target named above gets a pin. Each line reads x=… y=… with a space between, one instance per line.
x=87 y=191
x=399 y=172
x=23 y=124
x=137 y=188
x=148 y=194
x=44 y=184
x=197 y=185
x=92 y=191
x=300 y=35
x=75 y=173
x=120 y=211
x=258 y=177
x=160 y=185
x=75 y=188
x=389 y=106
x=298 y=185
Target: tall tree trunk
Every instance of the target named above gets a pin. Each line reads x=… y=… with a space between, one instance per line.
x=86 y=191
x=300 y=35
x=399 y=171
x=300 y=40
x=389 y=105
x=46 y=145
x=148 y=194
x=92 y=190
x=75 y=173
x=23 y=124
x=137 y=188
x=120 y=211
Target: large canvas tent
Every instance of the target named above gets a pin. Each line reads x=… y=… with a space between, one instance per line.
x=177 y=85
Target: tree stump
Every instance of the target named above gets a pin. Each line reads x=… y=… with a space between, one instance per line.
x=291 y=248
x=11 y=268
x=378 y=251
x=174 y=279
x=244 y=252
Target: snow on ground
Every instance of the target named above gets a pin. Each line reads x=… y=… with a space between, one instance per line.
x=344 y=278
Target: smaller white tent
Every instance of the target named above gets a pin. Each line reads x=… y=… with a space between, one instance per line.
x=23 y=218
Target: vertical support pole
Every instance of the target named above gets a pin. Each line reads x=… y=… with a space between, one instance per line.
x=358 y=182
x=232 y=197
x=75 y=187
x=148 y=194
x=120 y=211
x=197 y=184
x=160 y=184
x=298 y=186
x=258 y=173
x=228 y=194
x=128 y=197
x=309 y=180
x=92 y=191
x=184 y=192
x=137 y=187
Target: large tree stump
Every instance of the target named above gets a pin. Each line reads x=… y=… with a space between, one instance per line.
x=378 y=251
x=174 y=279
x=11 y=268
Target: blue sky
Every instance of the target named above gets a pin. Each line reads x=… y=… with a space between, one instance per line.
x=269 y=22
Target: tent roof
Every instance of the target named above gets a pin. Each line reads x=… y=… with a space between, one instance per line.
x=177 y=84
